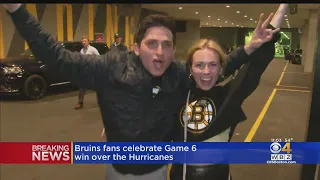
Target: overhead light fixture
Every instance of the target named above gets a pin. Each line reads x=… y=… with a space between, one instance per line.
x=232 y=23
x=180 y=7
x=227 y=6
x=226 y=21
x=220 y=26
x=199 y=26
x=255 y=22
x=251 y=19
x=242 y=26
x=287 y=19
x=245 y=16
x=237 y=25
x=214 y=25
x=285 y=15
x=196 y=12
x=218 y=19
x=238 y=12
x=208 y=16
x=207 y=23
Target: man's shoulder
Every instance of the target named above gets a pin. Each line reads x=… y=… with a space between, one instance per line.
x=118 y=57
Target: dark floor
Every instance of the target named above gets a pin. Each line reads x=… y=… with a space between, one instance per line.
x=54 y=119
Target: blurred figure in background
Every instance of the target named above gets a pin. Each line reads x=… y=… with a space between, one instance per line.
x=118 y=45
x=86 y=49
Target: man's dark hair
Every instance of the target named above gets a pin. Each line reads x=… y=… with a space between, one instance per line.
x=153 y=21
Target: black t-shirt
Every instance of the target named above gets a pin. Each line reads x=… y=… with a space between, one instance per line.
x=202 y=113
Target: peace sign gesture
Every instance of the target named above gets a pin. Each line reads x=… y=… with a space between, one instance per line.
x=261 y=34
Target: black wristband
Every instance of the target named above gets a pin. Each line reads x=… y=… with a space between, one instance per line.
x=276 y=36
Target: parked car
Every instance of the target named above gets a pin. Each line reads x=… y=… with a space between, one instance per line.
x=295 y=57
x=30 y=77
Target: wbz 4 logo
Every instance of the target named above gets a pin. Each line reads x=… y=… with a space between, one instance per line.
x=276 y=149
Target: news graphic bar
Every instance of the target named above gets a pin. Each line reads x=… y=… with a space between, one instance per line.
x=159 y=153
x=195 y=153
x=35 y=153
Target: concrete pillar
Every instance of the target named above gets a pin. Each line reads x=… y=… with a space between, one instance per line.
x=301 y=36
x=304 y=41
x=311 y=40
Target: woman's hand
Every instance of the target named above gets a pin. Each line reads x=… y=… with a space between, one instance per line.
x=12 y=7
x=261 y=34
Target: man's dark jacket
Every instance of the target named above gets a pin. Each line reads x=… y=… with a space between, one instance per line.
x=123 y=87
x=120 y=48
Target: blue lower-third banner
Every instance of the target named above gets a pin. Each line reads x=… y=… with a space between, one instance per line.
x=196 y=153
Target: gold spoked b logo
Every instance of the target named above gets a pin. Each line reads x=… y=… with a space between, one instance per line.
x=198 y=114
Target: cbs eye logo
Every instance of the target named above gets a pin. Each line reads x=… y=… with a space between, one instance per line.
x=277 y=148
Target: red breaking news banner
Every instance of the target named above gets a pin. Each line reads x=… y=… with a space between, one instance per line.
x=35 y=153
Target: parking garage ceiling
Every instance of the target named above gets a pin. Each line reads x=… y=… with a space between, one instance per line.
x=232 y=15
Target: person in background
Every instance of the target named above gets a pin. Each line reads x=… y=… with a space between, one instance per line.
x=118 y=45
x=89 y=50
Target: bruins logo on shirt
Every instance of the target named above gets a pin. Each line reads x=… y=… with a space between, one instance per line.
x=198 y=114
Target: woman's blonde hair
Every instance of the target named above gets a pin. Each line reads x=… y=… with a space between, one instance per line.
x=206 y=44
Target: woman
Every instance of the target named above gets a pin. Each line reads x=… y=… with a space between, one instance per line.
x=213 y=111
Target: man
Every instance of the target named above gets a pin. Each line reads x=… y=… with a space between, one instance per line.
x=89 y=50
x=138 y=94
x=118 y=46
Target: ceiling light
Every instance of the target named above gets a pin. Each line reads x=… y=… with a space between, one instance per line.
x=251 y=19
x=199 y=26
x=242 y=26
x=237 y=25
x=180 y=7
x=226 y=21
x=238 y=12
x=196 y=12
x=208 y=16
x=255 y=22
x=285 y=15
x=232 y=23
x=245 y=16
x=287 y=20
x=227 y=6
x=220 y=26
x=218 y=19
x=214 y=25
x=207 y=23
